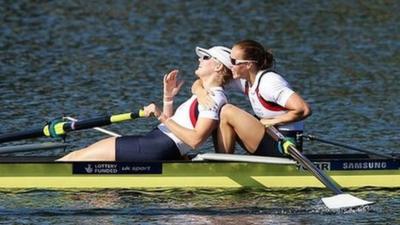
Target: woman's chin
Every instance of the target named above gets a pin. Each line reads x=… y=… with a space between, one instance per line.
x=199 y=73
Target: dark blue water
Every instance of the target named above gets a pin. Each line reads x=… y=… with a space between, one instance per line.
x=90 y=58
x=197 y=206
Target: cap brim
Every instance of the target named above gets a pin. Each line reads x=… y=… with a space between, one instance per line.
x=202 y=52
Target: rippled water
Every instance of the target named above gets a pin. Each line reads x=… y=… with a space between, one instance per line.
x=90 y=58
x=194 y=206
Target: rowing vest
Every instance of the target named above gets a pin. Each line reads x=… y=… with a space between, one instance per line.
x=268 y=96
x=188 y=113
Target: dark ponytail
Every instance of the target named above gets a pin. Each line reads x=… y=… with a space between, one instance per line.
x=269 y=60
x=253 y=50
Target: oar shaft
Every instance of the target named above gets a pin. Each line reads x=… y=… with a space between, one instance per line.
x=100 y=121
x=33 y=133
x=314 y=170
x=31 y=147
x=113 y=134
x=312 y=137
x=60 y=128
x=86 y=124
x=292 y=151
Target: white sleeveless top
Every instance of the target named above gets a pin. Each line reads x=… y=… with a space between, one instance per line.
x=186 y=116
x=268 y=96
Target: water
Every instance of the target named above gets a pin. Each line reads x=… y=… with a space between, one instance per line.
x=197 y=206
x=90 y=58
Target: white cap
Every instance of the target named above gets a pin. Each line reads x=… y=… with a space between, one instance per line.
x=223 y=54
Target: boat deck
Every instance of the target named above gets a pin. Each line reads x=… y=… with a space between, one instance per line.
x=48 y=159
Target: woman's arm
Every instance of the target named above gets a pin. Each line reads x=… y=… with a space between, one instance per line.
x=192 y=137
x=297 y=108
x=207 y=121
x=203 y=96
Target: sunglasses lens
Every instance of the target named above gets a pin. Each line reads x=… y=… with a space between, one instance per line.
x=233 y=61
x=206 y=57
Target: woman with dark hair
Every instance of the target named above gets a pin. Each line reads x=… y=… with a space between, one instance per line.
x=273 y=101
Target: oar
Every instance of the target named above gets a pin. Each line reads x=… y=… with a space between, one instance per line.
x=102 y=130
x=340 y=200
x=312 y=137
x=31 y=147
x=57 y=128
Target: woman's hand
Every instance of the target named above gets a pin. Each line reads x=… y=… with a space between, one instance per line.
x=152 y=110
x=269 y=122
x=171 y=85
x=203 y=95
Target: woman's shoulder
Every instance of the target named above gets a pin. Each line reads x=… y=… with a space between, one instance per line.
x=218 y=92
x=269 y=74
x=271 y=77
x=218 y=95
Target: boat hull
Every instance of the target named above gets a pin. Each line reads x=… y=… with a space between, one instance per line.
x=346 y=172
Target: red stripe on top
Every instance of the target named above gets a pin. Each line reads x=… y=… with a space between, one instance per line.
x=272 y=106
x=194 y=112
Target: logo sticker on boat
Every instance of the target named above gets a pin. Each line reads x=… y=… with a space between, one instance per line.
x=354 y=165
x=116 y=168
x=326 y=166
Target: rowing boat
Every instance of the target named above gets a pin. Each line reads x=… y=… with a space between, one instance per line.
x=205 y=171
x=209 y=170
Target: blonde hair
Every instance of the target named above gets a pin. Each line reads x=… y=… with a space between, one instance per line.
x=227 y=75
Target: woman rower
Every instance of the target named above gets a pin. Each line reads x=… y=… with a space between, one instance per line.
x=273 y=101
x=178 y=132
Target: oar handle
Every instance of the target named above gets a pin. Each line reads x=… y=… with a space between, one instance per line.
x=62 y=127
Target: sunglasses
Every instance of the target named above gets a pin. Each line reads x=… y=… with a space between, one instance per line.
x=205 y=57
x=236 y=62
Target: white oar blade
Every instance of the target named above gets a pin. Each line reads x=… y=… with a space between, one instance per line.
x=342 y=201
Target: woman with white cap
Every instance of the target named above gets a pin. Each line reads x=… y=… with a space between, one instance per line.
x=273 y=101
x=178 y=132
